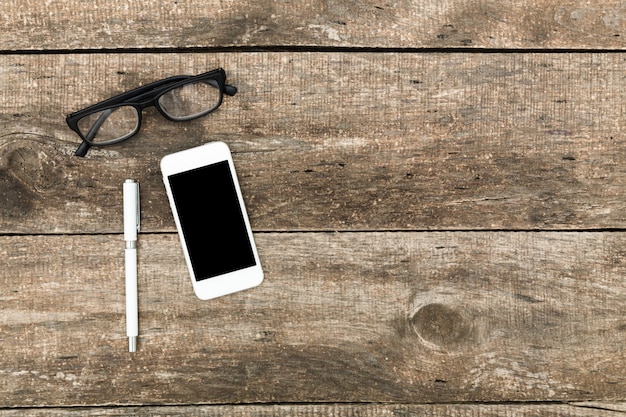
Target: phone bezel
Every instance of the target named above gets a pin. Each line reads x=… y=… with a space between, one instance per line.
x=191 y=159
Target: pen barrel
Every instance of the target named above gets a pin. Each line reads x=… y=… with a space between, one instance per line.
x=132 y=320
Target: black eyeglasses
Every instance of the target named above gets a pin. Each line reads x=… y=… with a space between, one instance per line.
x=178 y=98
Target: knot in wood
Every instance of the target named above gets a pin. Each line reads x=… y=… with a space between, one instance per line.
x=442 y=326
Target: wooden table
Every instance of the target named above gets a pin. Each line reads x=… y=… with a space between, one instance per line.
x=436 y=189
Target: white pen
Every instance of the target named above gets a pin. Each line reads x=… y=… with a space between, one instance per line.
x=131 y=227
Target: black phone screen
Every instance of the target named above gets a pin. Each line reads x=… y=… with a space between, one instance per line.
x=211 y=220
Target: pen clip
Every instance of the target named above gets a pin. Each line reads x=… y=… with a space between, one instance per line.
x=138 y=210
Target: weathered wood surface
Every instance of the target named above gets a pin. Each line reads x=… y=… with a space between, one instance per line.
x=342 y=317
x=384 y=131
x=75 y=24
x=333 y=141
x=335 y=410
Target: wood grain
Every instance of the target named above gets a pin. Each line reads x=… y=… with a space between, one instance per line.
x=341 y=317
x=372 y=129
x=333 y=141
x=333 y=410
x=29 y=25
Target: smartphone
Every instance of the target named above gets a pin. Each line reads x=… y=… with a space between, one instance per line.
x=211 y=220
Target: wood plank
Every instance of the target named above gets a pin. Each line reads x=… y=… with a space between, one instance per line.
x=332 y=410
x=74 y=24
x=333 y=141
x=342 y=317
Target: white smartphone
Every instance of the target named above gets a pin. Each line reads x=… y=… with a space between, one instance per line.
x=211 y=220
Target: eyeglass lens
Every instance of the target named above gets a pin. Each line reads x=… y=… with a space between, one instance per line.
x=190 y=100
x=109 y=125
x=183 y=103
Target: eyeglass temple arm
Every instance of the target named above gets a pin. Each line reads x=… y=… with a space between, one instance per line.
x=85 y=145
x=230 y=90
x=121 y=98
x=83 y=149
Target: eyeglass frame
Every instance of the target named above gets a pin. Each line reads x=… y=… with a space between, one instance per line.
x=142 y=97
